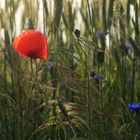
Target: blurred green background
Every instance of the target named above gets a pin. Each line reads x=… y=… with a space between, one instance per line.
x=82 y=90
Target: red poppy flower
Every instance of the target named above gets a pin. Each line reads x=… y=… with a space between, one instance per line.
x=31 y=43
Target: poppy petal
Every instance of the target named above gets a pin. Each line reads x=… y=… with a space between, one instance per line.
x=44 y=54
x=32 y=44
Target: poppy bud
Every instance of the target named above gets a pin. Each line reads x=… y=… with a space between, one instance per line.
x=92 y=74
x=30 y=23
x=100 y=57
x=77 y=33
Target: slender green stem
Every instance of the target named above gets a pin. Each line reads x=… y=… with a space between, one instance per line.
x=88 y=91
x=102 y=107
x=133 y=80
x=91 y=23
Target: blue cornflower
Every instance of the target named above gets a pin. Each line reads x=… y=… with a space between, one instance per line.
x=134 y=107
x=95 y=77
x=98 y=34
x=128 y=46
x=50 y=66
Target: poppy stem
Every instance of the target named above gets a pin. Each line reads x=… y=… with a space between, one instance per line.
x=39 y=88
x=34 y=77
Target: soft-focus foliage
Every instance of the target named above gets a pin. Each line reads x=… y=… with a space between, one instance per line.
x=91 y=75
